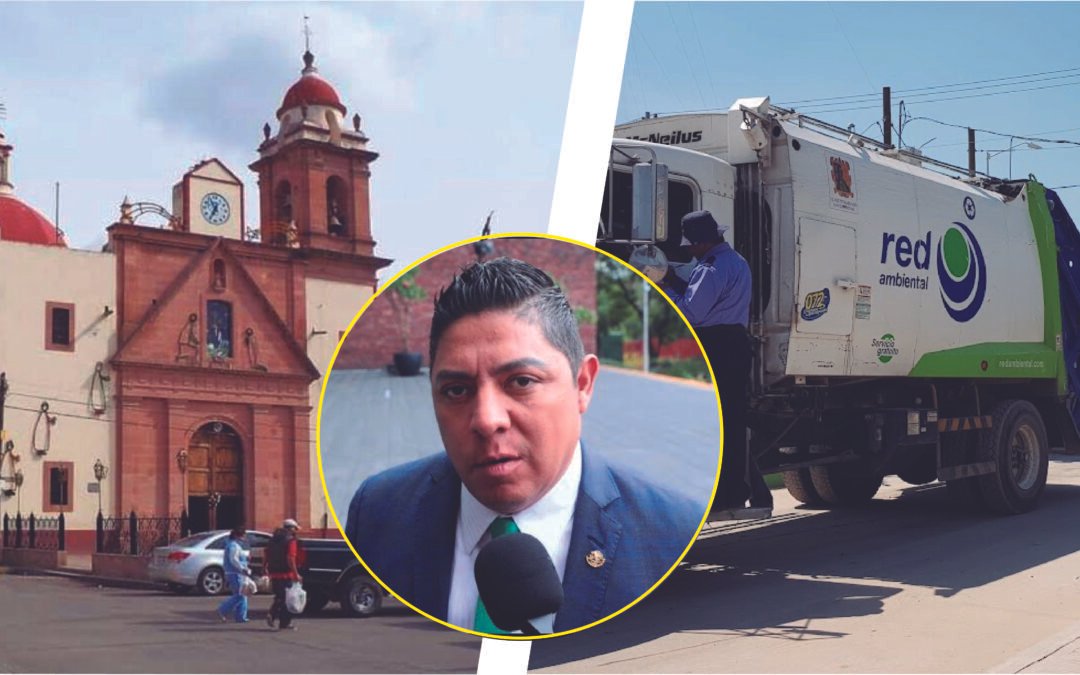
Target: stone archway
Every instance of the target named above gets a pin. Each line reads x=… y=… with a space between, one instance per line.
x=215 y=475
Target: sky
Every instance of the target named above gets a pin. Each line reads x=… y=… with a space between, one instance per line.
x=693 y=56
x=464 y=102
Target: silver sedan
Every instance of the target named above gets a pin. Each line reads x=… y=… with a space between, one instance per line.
x=198 y=561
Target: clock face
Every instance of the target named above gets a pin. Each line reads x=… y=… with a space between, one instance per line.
x=215 y=208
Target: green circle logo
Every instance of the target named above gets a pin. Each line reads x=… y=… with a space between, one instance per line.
x=956 y=252
x=886 y=347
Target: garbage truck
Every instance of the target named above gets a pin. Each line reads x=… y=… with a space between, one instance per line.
x=908 y=317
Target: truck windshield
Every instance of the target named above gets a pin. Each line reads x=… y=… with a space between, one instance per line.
x=618 y=202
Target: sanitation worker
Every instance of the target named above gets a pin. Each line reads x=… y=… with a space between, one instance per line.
x=716 y=302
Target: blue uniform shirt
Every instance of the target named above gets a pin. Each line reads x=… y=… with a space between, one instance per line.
x=718 y=291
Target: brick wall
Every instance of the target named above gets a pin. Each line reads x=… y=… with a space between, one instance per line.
x=376 y=336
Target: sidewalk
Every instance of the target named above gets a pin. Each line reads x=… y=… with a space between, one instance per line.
x=78 y=562
x=80 y=566
x=1058 y=654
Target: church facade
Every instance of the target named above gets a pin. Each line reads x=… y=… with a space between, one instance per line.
x=180 y=367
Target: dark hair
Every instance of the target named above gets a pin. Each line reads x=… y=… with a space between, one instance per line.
x=237 y=532
x=509 y=284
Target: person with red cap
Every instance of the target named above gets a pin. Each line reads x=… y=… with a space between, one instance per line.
x=284 y=558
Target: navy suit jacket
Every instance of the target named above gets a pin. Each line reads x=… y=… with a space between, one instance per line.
x=402 y=522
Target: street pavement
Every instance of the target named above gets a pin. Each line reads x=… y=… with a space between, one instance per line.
x=908 y=584
x=63 y=625
x=372 y=421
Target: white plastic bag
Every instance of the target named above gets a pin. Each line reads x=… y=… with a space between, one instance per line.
x=248 y=587
x=295 y=598
x=263 y=584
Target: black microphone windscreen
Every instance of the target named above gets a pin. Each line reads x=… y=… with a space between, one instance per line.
x=517 y=581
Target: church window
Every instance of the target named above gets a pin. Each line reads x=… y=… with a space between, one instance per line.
x=57 y=492
x=219 y=275
x=283 y=211
x=336 y=206
x=219 y=330
x=60 y=326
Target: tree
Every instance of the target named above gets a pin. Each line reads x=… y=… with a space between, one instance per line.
x=402 y=294
x=618 y=307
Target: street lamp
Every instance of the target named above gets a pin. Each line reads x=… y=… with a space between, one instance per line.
x=1012 y=144
x=484 y=247
x=100 y=473
x=182 y=464
x=212 y=502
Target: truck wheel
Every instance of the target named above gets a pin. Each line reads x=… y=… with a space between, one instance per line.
x=362 y=597
x=800 y=485
x=1017 y=445
x=315 y=602
x=846 y=483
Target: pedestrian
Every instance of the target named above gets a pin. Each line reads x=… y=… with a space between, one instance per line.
x=236 y=573
x=716 y=302
x=284 y=558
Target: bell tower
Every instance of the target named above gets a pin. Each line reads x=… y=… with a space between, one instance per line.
x=314 y=173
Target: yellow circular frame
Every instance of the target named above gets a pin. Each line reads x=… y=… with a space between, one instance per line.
x=333 y=360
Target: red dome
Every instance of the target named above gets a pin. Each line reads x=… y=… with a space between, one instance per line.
x=310 y=89
x=20 y=222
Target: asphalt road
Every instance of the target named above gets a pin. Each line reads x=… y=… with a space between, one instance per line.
x=59 y=625
x=372 y=421
x=906 y=585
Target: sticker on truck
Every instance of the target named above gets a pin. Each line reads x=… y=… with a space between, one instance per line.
x=843 y=185
x=862 y=302
x=815 y=305
x=886 y=347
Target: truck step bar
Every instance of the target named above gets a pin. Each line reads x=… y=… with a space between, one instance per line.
x=949 y=424
x=966 y=470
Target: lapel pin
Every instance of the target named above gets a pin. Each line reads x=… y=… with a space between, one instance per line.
x=595 y=559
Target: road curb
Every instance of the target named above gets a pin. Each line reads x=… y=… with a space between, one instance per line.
x=89 y=578
x=1048 y=651
x=660 y=377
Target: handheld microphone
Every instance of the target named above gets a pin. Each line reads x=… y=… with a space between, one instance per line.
x=517 y=582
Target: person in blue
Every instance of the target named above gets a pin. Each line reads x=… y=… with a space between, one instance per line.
x=716 y=302
x=236 y=571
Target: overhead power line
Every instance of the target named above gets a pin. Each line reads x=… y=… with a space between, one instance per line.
x=900 y=92
x=817 y=110
x=1019 y=137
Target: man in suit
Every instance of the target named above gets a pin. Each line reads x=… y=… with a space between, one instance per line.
x=510 y=381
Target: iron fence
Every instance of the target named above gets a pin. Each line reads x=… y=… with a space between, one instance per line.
x=132 y=535
x=43 y=533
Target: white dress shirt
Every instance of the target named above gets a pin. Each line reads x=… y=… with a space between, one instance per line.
x=550 y=520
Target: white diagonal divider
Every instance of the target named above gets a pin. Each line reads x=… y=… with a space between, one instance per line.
x=579 y=183
x=590 y=119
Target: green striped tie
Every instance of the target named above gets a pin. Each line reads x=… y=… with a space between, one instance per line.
x=482 y=623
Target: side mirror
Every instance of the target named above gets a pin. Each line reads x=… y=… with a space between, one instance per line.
x=649 y=211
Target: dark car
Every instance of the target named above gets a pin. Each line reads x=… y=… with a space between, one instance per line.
x=332 y=573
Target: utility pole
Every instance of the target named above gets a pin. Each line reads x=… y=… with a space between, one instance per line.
x=971 y=155
x=3 y=397
x=886 y=114
x=645 y=324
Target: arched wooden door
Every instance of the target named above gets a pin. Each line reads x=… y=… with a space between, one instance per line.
x=215 y=478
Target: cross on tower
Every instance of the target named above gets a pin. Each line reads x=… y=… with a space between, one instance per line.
x=307 y=34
